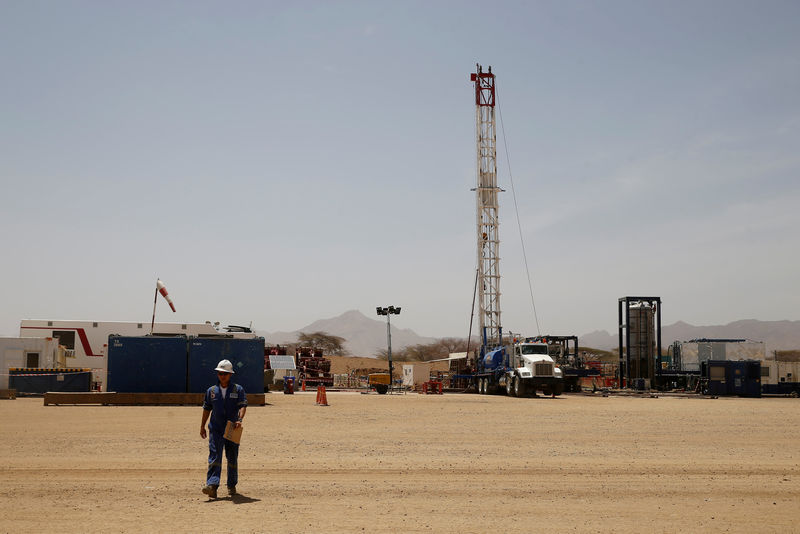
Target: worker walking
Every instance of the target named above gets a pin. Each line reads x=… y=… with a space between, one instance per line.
x=224 y=402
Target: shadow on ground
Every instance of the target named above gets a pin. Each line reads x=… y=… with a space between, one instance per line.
x=235 y=499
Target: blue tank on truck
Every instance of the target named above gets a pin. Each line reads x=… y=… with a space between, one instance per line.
x=494 y=359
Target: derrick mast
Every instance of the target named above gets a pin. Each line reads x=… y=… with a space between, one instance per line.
x=487 y=216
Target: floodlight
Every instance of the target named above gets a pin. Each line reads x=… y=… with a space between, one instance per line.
x=388 y=312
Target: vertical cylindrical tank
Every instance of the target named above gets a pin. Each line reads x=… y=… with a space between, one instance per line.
x=642 y=346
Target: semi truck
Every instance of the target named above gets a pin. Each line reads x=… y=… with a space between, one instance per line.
x=520 y=369
x=564 y=351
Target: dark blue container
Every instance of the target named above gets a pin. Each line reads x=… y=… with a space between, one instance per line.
x=736 y=377
x=39 y=381
x=742 y=378
x=246 y=355
x=147 y=364
x=751 y=371
x=717 y=372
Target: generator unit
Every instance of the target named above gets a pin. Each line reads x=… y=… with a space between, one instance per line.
x=733 y=378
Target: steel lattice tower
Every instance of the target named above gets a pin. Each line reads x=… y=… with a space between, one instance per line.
x=487 y=219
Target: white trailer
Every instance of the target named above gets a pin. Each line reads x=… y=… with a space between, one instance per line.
x=34 y=352
x=416 y=374
x=87 y=341
x=780 y=378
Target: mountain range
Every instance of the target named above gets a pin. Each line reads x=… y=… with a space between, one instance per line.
x=365 y=336
x=777 y=335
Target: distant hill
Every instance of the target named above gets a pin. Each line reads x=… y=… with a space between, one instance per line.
x=365 y=336
x=777 y=335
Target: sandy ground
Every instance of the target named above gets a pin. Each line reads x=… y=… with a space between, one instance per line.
x=411 y=463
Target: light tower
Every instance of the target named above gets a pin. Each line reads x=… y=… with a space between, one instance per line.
x=388 y=312
x=487 y=218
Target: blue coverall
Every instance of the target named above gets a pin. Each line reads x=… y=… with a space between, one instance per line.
x=222 y=411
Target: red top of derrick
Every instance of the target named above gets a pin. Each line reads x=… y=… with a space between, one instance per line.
x=484 y=87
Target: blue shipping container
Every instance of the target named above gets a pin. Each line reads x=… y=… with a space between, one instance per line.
x=246 y=355
x=726 y=377
x=37 y=381
x=147 y=364
x=747 y=378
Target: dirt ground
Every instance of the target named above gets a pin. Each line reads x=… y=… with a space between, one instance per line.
x=411 y=463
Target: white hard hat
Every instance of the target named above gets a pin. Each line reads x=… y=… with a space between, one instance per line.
x=225 y=366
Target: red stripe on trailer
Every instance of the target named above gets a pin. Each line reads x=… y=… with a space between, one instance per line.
x=87 y=348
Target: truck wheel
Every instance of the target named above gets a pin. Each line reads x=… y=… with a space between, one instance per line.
x=519 y=387
x=510 y=387
x=558 y=389
x=381 y=388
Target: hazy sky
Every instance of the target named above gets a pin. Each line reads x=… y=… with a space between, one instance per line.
x=282 y=162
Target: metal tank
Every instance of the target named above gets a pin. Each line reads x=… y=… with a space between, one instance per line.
x=642 y=347
x=639 y=339
x=494 y=359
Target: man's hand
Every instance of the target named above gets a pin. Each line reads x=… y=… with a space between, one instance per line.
x=237 y=424
x=206 y=415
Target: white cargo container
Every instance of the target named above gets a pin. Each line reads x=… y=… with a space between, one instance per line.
x=38 y=352
x=416 y=374
x=782 y=378
x=87 y=341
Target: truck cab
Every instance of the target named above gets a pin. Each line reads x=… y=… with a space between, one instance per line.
x=533 y=370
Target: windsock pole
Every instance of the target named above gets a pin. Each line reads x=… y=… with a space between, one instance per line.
x=153 y=322
x=160 y=288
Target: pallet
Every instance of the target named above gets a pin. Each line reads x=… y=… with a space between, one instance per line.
x=8 y=394
x=138 y=399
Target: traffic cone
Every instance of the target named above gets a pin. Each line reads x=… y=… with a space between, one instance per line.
x=304 y=384
x=322 y=398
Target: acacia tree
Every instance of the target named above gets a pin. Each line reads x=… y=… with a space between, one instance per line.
x=436 y=350
x=330 y=344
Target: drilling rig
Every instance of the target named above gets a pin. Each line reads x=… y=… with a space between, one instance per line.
x=523 y=367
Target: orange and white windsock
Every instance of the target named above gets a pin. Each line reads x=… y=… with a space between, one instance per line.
x=163 y=290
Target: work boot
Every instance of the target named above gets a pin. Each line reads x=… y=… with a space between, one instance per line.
x=211 y=491
x=231 y=490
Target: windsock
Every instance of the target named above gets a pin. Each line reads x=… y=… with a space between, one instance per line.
x=163 y=290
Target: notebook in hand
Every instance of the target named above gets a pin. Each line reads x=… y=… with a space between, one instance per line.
x=233 y=434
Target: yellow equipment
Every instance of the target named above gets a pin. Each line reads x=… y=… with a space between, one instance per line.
x=380 y=381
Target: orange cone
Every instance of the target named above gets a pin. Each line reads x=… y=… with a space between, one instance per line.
x=322 y=398
x=304 y=384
